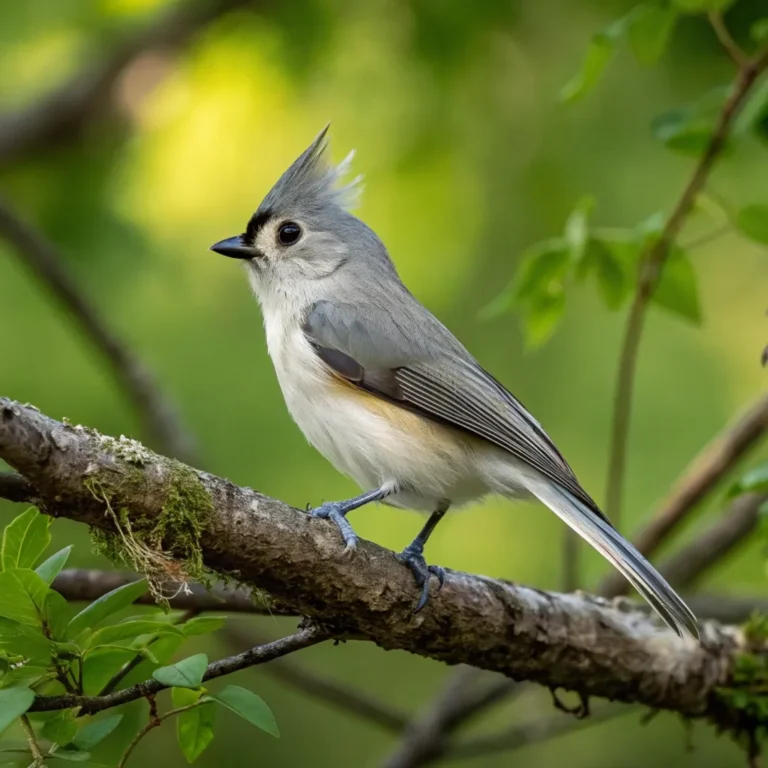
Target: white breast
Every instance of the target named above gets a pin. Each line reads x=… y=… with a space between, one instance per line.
x=372 y=441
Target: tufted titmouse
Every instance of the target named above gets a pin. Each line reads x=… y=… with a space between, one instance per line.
x=384 y=390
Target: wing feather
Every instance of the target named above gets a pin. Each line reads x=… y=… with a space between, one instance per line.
x=370 y=349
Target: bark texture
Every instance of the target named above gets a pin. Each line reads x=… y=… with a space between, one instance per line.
x=573 y=641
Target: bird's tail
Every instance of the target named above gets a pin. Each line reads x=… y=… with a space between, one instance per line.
x=617 y=550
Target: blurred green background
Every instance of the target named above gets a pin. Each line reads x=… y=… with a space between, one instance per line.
x=468 y=158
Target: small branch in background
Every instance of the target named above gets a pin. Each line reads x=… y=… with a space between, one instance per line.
x=571 y=549
x=738 y=57
x=15 y=487
x=83 y=584
x=535 y=732
x=324 y=688
x=651 y=266
x=700 y=477
x=68 y=113
x=90 y=705
x=153 y=721
x=38 y=759
x=692 y=560
x=427 y=737
x=158 y=415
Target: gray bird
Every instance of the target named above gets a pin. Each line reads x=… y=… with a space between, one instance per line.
x=386 y=392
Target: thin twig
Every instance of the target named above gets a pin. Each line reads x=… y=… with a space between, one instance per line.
x=328 y=690
x=89 y=705
x=158 y=416
x=731 y=47
x=707 y=237
x=154 y=721
x=34 y=747
x=522 y=735
x=712 y=545
x=698 y=479
x=15 y=487
x=651 y=265
x=427 y=737
x=571 y=549
x=85 y=584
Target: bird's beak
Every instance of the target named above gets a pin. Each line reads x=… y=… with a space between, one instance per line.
x=234 y=247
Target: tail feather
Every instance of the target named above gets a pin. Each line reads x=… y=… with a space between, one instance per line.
x=617 y=550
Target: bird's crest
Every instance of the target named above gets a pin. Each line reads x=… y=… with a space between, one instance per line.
x=312 y=181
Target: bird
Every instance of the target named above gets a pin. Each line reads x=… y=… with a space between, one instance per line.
x=382 y=389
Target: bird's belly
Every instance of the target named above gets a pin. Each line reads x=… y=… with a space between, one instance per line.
x=377 y=443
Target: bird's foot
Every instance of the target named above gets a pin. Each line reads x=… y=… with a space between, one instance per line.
x=413 y=558
x=336 y=513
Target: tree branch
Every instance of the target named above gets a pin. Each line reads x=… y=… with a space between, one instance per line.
x=700 y=477
x=336 y=694
x=158 y=415
x=16 y=488
x=651 y=266
x=65 y=115
x=685 y=566
x=573 y=642
x=427 y=737
x=82 y=584
x=260 y=654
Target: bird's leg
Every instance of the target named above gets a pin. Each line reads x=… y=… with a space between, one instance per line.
x=413 y=557
x=336 y=511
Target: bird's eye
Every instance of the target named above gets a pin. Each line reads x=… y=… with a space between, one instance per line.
x=288 y=233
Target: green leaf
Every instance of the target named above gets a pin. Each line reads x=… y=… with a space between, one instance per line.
x=60 y=729
x=541 y=316
x=23 y=596
x=194 y=728
x=57 y=612
x=599 y=53
x=678 y=290
x=543 y=265
x=93 y=733
x=72 y=755
x=115 y=633
x=14 y=702
x=753 y=481
x=759 y=30
x=249 y=706
x=101 y=666
x=649 y=30
x=187 y=673
x=105 y=606
x=610 y=271
x=25 y=539
x=701 y=6
x=27 y=675
x=576 y=231
x=51 y=568
x=688 y=129
x=753 y=222
x=203 y=625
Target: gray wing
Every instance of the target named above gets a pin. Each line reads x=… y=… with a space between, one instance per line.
x=393 y=358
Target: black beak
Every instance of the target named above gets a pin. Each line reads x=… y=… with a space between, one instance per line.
x=234 y=247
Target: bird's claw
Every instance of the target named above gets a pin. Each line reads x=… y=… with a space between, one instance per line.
x=414 y=560
x=334 y=511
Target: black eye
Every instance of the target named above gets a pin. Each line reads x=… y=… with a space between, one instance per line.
x=288 y=233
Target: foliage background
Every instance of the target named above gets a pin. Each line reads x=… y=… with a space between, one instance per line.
x=467 y=160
